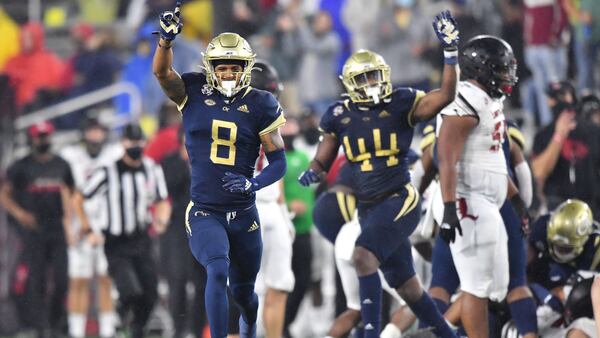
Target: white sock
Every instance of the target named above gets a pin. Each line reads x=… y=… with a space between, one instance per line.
x=107 y=324
x=77 y=325
x=391 y=331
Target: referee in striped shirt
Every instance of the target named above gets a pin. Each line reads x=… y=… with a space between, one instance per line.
x=127 y=189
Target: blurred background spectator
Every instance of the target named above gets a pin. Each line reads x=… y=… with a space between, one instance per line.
x=33 y=58
x=403 y=37
x=545 y=34
x=566 y=153
x=320 y=45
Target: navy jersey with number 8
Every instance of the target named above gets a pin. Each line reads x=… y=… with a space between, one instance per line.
x=223 y=135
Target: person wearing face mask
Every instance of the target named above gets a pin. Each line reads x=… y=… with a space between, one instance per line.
x=566 y=153
x=589 y=107
x=35 y=195
x=86 y=258
x=124 y=190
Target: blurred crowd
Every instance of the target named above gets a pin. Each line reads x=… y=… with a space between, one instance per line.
x=78 y=47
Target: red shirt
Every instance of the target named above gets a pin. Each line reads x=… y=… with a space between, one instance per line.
x=164 y=142
x=544 y=21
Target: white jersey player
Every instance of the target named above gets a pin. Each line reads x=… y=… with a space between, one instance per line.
x=474 y=179
x=277 y=228
x=85 y=257
x=277 y=231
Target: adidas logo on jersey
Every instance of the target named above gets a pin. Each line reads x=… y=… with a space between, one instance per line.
x=253 y=227
x=243 y=108
x=367 y=301
x=369 y=327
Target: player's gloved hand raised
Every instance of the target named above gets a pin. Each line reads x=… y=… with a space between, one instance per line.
x=171 y=23
x=446 y=29
x=522 y=212
x=239 y=183
x=450 y=223
x=309 y=177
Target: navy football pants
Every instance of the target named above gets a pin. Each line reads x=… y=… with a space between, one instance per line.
x=228 y=245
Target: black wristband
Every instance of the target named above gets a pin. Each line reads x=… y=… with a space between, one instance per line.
x=164 y=47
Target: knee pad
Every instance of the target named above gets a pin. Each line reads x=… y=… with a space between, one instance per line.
x=217 y=270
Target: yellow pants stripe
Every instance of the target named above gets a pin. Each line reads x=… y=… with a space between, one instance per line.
x=188 y=228
x=342 y=205
x=350 y=204
x=410 y=202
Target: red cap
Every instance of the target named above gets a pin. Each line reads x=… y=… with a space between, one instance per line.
x=44 y=127
x=82 y=31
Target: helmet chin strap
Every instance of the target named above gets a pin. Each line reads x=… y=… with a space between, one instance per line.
x=228 y=87
x=373 y=92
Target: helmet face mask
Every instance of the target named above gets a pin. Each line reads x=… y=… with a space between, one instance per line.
x=564 y=253
x=504 y=78
x=366 y=78
x=369 y=85
x=228 y=63
x=568 y=230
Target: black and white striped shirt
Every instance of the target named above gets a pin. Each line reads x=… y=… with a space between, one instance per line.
x=127 y=194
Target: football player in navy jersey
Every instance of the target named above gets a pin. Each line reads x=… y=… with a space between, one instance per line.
x=375 y=127
x=225 y=122
x=561 y=244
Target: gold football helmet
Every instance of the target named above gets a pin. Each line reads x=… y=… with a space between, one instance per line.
x=568 y=230
x=223 y=48
x=366 y=77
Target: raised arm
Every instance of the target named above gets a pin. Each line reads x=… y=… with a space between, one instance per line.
x=446 y=29
x=543 y=163
x=162 y=63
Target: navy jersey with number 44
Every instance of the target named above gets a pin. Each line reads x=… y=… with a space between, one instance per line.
x=223 y=134
x=375 y=141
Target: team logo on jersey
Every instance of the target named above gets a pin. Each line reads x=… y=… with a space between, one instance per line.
x=243 y=108
x=384 y=114
x=210 y=102
x=207 y=89
x=463 y=210
x=345 y=120
x=338 y=110
x=253 y=227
